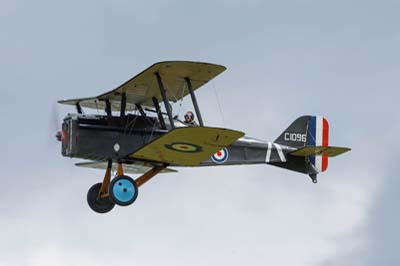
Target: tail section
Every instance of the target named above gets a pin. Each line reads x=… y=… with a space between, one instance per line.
x=308 y=131
x=309 y=135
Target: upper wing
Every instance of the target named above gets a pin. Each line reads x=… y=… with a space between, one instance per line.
x=187 y=146
x=135 y=168
x=143 y=87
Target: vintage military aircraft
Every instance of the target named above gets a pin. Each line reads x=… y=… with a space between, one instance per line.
x=137 y=142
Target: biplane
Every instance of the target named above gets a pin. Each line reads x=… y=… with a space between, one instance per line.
x=138 y=134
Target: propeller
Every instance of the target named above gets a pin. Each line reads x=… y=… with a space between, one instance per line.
x=54 y=122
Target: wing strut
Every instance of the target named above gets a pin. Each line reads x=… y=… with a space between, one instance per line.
x=108 y=109
x=160 y=117
x=141 y=111
x=165 y=99
x=78 y=108
x=122 y=110
x=123 y=105
x=194 y=100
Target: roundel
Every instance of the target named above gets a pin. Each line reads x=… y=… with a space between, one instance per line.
x=183 y=147
x=220 y=156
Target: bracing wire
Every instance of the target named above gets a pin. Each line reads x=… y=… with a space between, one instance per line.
x=177 y=98
x=131 y=124
x=181 y=101
x=219 y=104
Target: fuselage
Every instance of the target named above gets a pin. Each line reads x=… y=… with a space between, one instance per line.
x=99 y=138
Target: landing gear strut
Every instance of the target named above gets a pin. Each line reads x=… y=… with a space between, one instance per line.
x=97 y=196
x=122 y=190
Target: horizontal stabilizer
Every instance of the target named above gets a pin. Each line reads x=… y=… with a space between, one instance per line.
x=187 y=146
x=137 y=168
x=319 y=150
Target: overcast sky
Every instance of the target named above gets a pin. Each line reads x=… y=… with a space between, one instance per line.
x=285 y=59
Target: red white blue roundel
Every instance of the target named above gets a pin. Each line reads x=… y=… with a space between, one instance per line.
x=220 y=156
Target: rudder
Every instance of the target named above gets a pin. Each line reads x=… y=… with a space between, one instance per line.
x=318 y=135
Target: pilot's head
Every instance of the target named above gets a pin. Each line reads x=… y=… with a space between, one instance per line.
x=189 y=117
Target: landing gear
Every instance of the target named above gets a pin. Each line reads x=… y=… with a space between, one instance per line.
x=97 y=203
x=123 y=190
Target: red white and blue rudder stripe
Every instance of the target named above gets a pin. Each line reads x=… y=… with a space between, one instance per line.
x=318 y=135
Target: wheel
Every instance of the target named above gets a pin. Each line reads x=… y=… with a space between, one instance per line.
x=97 y=204
x=123 y=190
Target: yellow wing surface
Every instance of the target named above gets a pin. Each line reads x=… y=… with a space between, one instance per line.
x=320 y=150
x=143 y=87
x=187 y=146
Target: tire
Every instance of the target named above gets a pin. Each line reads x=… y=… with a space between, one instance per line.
x=123 y=190
x=99 y=205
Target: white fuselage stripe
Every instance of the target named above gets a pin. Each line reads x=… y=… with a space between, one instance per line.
x=280 y=153
x=318 y=133
x=268 y=157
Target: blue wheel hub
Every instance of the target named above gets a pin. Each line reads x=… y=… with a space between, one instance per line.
x=123 y=190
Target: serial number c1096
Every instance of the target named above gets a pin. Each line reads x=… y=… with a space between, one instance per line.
x=296 y=137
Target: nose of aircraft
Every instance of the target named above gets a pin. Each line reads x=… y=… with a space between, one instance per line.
x=59 y=136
